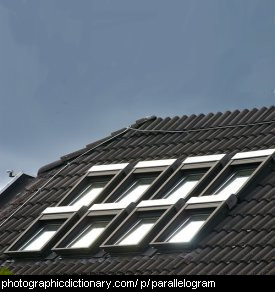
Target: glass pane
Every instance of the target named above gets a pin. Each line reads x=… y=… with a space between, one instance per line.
x=40 y=238
x=187 y=231
x=135 y=191
x=137 y=232
x=86 y=197
x=184 y=186
x=88 y=235
x=234 y=183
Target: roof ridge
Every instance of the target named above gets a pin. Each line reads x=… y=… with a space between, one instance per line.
x=219 y=115
x=243 y=110
x=144 y=125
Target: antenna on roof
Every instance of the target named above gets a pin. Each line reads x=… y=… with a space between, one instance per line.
x=10 y=173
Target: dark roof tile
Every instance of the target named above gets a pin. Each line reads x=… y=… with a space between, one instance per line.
x=267 y=269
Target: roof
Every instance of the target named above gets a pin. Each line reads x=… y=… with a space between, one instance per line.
x=242 y=243
x=14 y=188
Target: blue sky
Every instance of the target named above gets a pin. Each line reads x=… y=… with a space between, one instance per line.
x=72 y=71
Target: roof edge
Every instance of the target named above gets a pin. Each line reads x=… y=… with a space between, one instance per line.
x=65 y=158
x=49 y=166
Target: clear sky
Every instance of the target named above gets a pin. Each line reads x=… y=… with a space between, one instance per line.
x=72 y=71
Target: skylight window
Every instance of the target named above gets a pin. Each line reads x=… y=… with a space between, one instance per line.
x=162 y=219
x=234 y=182
x=187 y=231
x=88 y=235
x=184 y=186
x=136 y=189
x=40 y=238
x=88 y=194
x=137 y=232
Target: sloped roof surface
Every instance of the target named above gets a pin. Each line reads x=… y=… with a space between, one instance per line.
x=243 y=243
